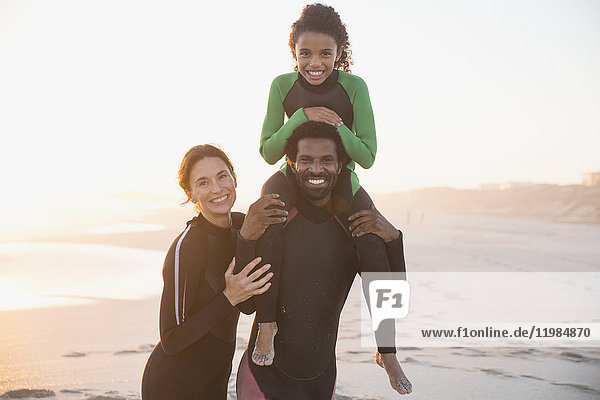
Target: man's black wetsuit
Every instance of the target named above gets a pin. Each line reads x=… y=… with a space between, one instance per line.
x=197 y=322
x=319 y=266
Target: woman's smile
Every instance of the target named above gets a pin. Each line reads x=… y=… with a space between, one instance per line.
x=219 y=199
x=212 y=189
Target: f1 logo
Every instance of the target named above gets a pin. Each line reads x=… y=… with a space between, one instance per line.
x=391 y=299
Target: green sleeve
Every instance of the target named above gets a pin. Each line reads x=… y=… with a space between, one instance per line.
x=275 y=132
x=361 y=145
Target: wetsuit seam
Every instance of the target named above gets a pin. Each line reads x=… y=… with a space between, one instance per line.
x=176 y=268
x=307 y=379
x=314 y=223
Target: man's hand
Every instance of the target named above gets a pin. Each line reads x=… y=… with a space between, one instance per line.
x=323 y=114
x=262 y=213
x=371 y=221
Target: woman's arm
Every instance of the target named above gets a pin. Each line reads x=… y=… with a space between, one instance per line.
x=179 y=330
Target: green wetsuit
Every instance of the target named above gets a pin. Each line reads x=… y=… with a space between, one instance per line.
x=344 y=93
x=348 y=96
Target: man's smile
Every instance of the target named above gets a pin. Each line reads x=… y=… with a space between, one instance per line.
x=316 y=181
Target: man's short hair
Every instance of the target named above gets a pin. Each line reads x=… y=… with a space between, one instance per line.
x=317 y=130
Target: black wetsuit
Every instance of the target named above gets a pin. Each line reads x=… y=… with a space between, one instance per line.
x=319 y=266
x=197 y=322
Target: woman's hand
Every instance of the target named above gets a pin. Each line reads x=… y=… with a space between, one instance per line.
x=323 y=114
x=262 y=213
x=371 y=221
x=240 y=287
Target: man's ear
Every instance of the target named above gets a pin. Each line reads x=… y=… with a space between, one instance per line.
x=340 y=166
x=291 y=164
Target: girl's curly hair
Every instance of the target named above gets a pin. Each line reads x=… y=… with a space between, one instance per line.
x=323 y=19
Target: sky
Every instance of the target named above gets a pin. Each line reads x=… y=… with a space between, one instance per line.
x=104 y=97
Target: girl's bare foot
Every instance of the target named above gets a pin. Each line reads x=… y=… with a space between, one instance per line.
x=264 y=349
x=398 y=379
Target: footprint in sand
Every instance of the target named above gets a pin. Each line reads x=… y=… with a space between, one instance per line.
x=578 y=386
x=572 y=356
x=342 y=397
x=123 y=352
x=496 y=372
x=532 y=377
x=27 y=394
x=70 y=391
x=145 y=348
x=74 y=354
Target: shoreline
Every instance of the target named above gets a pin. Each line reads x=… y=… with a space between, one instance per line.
x=98 y=352
x=100 y=349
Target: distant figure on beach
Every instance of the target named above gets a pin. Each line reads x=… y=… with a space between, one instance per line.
x=321 y=89
x=198 y=318
x=408 y=217
x=319 y=265
x=422 y=218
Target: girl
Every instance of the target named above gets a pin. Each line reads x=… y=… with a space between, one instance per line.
x=322 y=90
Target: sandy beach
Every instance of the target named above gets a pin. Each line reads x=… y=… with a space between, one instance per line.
x=472 y=125
x=94 y=345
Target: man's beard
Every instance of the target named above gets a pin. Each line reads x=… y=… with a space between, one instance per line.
x=316 y=193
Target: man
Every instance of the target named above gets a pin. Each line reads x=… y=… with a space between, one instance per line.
x=319 y=266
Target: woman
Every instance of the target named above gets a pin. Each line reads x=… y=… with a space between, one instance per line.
x=197 y=316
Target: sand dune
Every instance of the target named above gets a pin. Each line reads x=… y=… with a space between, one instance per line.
x=573 y=203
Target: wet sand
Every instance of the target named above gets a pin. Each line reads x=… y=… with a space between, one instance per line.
x=98 y=349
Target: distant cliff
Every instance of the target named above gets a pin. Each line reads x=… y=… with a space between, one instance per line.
x=573 y=203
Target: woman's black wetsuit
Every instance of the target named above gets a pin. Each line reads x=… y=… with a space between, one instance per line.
x=197 y=322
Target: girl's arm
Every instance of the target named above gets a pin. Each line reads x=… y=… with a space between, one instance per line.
x=274 y=132
x=361 y=145
x=360 y=142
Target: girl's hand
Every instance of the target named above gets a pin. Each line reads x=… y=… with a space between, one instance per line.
x=323 y=114
x=240 y=287
x=371 y=221
x=262 y=213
